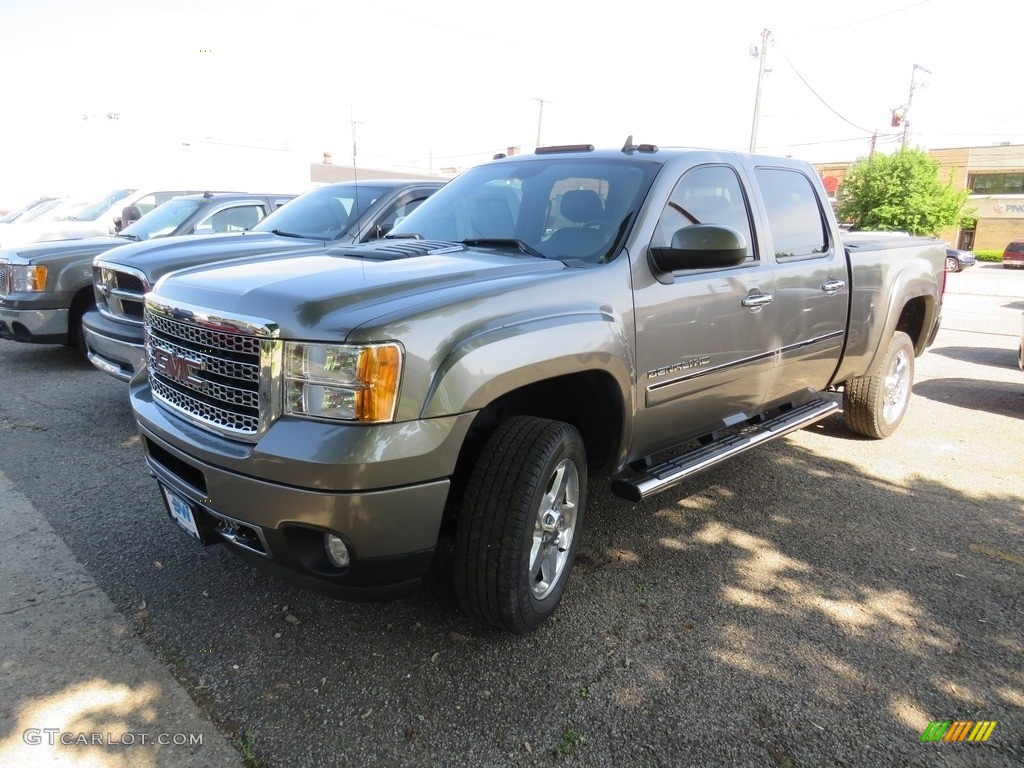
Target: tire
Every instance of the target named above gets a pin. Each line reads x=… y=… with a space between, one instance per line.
x=519 y=523
x=875 y=405
x=76 y=333
x=952 y=265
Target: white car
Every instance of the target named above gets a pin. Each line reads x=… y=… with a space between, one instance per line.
x=100 y=217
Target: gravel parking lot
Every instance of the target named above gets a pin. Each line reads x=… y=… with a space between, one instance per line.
x=815 y=602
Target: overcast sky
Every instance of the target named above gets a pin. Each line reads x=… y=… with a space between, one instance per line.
x=426 y=85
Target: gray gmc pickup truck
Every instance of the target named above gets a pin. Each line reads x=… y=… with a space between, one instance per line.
x=637 y=314
x=49 y=287
x=331 y=215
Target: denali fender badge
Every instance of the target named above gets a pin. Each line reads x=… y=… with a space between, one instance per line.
x=694 y=363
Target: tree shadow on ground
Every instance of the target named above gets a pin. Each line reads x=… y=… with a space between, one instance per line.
x=1000 y=398
x=992 y=356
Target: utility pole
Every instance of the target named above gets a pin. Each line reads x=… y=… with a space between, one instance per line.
x=540 y=116
x=910 y=98
x=763 y=53
x=874 y=141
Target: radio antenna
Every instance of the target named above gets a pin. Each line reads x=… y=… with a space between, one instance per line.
x=355 y=213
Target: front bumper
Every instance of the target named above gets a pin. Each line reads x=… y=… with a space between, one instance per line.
x=34 y=326
x=115 y=348
x=386 y=505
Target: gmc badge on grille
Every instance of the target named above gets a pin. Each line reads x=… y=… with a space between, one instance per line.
x=180 y=369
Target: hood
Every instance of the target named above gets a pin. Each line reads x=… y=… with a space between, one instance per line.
x=42 y=252
x=155 y=258
x=44 y=231
x=325 y=296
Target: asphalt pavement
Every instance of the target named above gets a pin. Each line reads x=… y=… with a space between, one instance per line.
x=818 y=601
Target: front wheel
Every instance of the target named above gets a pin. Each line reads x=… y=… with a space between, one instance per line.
x=874 y=405
x=519 y=523
x=952 y=265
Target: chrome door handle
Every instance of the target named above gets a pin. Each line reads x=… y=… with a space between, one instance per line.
x=833 y=286
x=757 y=300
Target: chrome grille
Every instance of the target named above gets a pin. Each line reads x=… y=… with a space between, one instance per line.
x=215 y=372
x=119 y=292
x=5 y=272
x=129 y=282
x=204 y=337
x=199 y=410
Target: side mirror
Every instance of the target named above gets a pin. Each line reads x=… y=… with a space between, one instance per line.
x=701 y=246
x=129 y=214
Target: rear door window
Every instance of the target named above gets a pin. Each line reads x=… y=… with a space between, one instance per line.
x=795 y=219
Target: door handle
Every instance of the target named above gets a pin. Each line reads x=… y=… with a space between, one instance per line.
x=757 y=300
x=833 y=286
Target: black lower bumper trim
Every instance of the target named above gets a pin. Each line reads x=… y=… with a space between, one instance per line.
x=402 y=574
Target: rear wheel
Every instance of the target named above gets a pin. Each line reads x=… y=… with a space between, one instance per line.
x=519 y=523
x=875 y=405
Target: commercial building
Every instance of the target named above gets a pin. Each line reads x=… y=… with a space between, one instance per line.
x=994 y=174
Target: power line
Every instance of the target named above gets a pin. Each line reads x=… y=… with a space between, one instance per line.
x=817 y=95
x=861 y=21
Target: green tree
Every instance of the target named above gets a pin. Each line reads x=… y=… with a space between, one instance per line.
x=900 y=192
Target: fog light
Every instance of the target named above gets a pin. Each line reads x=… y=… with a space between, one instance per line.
x=337 y=552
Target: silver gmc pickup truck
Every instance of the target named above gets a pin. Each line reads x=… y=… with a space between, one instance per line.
x=334 y=214
x=49 y=291
x=637 y=314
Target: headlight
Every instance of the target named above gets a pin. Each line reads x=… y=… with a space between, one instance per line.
x=342 y=381
x=27 y=278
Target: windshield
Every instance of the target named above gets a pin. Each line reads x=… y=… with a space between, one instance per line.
x=326 y=213
x=161 y=221
x=43 y=211
x=560 y=208
x=97 y=208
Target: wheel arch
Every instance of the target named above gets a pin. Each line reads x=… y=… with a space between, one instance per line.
x=913 y=319
x=83 y=300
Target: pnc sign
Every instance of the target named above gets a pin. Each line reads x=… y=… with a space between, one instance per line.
x=180 y=369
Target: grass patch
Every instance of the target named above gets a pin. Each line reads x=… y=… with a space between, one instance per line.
x=246 y=747
x=996 y=256
x=569 y=741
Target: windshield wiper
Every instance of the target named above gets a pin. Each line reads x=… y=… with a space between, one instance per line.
x=404 y=236
x=286 y=234
x=134 y=238
x=504 y=242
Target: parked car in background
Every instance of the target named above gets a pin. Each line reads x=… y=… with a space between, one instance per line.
x=12 y=216
x=958 y=261
x=1013 y=256
x=100 y=217
x=323 y=218
x=46 y=288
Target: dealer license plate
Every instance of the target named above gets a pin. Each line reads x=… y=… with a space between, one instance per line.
x=181 y=513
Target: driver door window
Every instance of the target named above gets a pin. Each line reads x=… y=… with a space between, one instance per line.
x=706 y=195
x=236 y=219
x=398 y=211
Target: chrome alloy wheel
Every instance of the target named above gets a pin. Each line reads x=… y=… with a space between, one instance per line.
x=897 y=387
x=553 y=529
